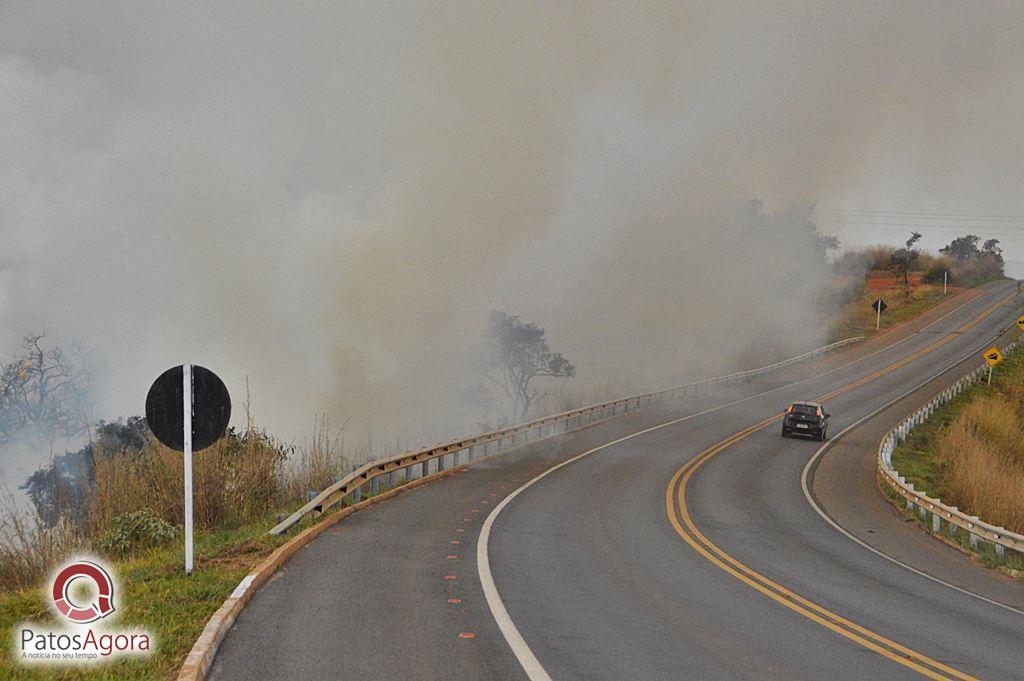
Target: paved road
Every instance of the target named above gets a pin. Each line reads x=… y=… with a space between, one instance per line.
x=600 y=583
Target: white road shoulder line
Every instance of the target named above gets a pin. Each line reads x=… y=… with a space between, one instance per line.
x=805 y=485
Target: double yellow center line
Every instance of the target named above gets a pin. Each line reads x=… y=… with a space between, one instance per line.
x=679 y=516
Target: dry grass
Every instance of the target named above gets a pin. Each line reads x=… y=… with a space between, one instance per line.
x=28 y=550
x=241 y=479
x=858 y=318
x=317 y=463
x=982 y=455
x=235 y=480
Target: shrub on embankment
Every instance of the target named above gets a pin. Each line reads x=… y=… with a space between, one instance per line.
x=124 y=493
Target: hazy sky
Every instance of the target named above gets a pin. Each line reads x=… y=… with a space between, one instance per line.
x=329 y=197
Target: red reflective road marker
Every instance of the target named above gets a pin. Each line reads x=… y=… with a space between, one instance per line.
x=449 y=577
x=467 y=634
x=451 y=556
x=454 y=601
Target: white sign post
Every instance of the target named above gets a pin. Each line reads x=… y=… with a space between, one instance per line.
x=203 y=406
x=187 y=414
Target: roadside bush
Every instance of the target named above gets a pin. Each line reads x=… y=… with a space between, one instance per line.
x=928 y=261
x=61 y=490
x=860 y=261
x=975 y=271
x=934 y=274
x=130 y=532
x=237 y=479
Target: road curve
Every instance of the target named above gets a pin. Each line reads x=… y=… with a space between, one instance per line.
x=590 y=567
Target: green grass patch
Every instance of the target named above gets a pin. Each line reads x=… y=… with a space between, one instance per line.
x=155 y=594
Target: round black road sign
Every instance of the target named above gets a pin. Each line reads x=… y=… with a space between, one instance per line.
x=211 y=408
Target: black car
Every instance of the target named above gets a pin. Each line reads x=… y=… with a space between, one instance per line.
x=805 y=418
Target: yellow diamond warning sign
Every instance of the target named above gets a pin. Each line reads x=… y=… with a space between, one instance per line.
x=993 y=356
x=1020 y=323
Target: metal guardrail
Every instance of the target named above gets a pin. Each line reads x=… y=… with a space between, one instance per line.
x=978 y=529
x=449 y=454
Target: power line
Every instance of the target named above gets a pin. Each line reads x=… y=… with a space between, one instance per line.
x=899 y=215
x=906 y=225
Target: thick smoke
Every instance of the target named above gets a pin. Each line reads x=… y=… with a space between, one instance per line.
x=330 y=198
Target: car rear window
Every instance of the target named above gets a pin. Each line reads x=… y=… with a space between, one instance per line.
x=805 y=409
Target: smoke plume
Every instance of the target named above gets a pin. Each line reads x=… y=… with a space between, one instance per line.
x=329 y=198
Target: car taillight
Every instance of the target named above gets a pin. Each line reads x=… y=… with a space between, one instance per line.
x=789 y=409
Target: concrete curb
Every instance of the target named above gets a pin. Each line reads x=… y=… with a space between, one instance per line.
x=200 y=658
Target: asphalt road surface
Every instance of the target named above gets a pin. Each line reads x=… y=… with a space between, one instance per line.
x=674 y=549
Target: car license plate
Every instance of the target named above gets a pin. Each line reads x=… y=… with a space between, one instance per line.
x=801 y=425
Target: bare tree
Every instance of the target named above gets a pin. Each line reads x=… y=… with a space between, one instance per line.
x=514 y=354
x=44 y=394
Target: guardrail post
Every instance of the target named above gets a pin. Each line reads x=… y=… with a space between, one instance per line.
x=974 y=539
x=1000 y=550
x=425 y=469
x=910 y=504
x=923 y=512
x=440 y=462
x=357 y=493
x=936 y=523
x=374 y=486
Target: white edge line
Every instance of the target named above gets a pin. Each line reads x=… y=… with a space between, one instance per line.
x=531 y=665
x=828 y=519
x=529 y=662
